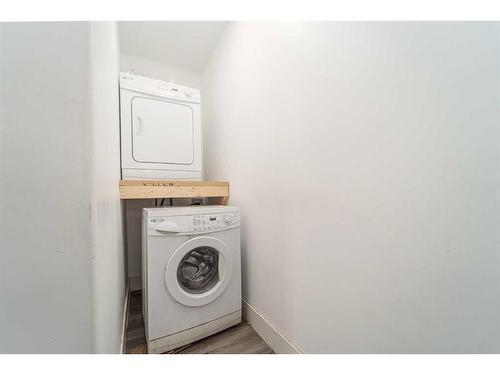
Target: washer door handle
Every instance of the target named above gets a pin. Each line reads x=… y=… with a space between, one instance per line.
x=168 y=226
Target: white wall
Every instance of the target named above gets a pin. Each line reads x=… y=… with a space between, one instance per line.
x=184 y=44
x=108 y=256
x=61 y=274
x=365 y=159
x=158 y=70
x=45 y=237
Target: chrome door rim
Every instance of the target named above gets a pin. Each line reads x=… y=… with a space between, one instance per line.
x=224 y=268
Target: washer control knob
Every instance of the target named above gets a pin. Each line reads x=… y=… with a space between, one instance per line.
x=227 y=219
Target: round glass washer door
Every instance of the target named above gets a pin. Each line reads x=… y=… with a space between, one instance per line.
x=199 y=271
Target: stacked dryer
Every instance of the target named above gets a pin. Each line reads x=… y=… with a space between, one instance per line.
x=160 y=130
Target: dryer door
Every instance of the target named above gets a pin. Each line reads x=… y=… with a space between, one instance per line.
x=199 y=271
x=162 y=131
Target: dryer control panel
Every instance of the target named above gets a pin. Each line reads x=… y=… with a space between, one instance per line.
x=134 y=82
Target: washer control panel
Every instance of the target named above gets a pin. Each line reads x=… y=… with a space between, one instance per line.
x=215 y=221
x=184 y=224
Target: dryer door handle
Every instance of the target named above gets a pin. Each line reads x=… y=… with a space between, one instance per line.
x=168 y=227
x=139 y=125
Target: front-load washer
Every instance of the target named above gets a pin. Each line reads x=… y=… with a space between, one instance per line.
x=191 y=273
x=160 y=126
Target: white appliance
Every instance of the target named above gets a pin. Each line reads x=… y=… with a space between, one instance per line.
x=191 y=273
x=160 y=129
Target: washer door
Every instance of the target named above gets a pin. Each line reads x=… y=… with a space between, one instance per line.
x=199 y=271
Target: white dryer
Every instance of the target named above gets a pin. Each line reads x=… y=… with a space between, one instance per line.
x=160 y=129
x=191 y=273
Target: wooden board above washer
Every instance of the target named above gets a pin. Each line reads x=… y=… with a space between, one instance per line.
x=146 y=189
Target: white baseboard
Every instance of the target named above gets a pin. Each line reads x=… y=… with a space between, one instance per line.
x=274 y=338
x=125 y=319
x=135 y=283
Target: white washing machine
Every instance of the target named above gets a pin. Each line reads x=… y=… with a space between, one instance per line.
x=160 y=129
x=191 y=273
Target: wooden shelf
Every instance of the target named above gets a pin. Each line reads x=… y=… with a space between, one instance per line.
x=218 y=191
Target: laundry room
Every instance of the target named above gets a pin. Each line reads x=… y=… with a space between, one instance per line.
x=249 y=187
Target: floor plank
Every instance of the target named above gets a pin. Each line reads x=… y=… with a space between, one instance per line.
x=240 y=339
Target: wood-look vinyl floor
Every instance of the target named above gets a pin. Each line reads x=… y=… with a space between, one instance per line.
x=240 y=339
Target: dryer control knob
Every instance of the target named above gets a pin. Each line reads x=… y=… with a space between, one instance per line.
x=227 y=219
